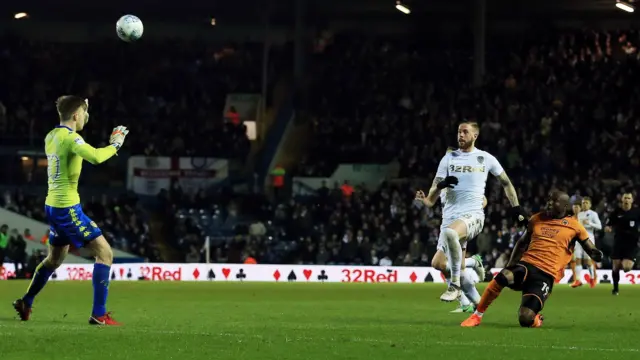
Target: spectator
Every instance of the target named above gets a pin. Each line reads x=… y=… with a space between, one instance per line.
x=193 y=256
x=385 y=261
x=232 y=116
x=416 y=248
x=484 y=241
x=27 y=235
x=45 y=238
x=277 y=181
x=249 y=260
x=172 y=81
x=17 y=250
x=4 y=241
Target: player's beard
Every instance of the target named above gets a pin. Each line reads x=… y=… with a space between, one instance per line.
x=465 y=145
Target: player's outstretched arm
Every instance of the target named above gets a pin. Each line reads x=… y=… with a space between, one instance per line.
x=583 y=238
x=441 y=181
x=519 y=248
x=98 y=156
x=591 y=249
x=434 y=192
x=91 y=154
x=509 y=189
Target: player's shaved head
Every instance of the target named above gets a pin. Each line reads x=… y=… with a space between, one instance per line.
x=68 y=105
x=558 y=204
x=563 y=197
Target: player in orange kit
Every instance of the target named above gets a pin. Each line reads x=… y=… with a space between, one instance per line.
x=537 y=258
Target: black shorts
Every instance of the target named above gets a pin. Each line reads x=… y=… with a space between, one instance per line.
x=535 y=284
x=624 y=250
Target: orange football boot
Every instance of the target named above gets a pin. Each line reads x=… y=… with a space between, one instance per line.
x=473 y=320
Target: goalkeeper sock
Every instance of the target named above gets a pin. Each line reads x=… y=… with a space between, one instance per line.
x=40 y=278
x=100 y=288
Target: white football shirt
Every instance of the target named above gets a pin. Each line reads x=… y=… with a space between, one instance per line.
x=592 y=222
x=471 y=169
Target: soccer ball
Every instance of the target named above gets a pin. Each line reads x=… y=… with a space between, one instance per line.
x=129 y=28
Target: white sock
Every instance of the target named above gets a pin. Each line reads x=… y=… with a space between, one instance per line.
x=464 y=300
x=469 y=289
x=470 y=263
x=578 y=272
x=592 y=268
x=455 y=255
x=478 y=313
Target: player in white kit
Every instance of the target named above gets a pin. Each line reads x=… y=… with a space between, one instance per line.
x=464 y=173
x=591 y=222
x=473 y=272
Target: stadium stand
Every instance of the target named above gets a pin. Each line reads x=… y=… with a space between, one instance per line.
x=558 y=111
x=172 y=82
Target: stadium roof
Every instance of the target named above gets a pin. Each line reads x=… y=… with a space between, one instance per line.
x=253 y=10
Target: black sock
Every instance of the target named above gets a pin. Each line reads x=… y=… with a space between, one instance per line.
x=616 y=279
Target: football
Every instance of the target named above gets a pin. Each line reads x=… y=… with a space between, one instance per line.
x=129 y=28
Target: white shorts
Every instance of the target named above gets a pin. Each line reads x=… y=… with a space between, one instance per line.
x=579 y=253
x=474 y=223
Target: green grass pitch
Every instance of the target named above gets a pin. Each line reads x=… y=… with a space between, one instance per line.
x=312 y=321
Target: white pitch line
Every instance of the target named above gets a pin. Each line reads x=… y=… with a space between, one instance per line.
x=244 y=337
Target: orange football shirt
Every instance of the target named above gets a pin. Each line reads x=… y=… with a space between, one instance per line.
x=552 y=242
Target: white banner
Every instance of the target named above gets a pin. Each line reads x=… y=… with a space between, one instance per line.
x=243 y=272
x=279 y=273
x=147 y=175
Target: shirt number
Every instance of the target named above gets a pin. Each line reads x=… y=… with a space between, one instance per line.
x=545 y=289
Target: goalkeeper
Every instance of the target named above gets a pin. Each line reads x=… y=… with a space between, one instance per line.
x=65 y=150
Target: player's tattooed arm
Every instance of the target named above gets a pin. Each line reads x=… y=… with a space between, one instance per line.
x=434 y=192
x=519 y=248
x=509 y=189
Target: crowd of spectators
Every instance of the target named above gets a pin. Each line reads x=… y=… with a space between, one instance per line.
x=170 y=94
x=557 y=111
x=558 y=103
x=384 y=227
x=122 y=220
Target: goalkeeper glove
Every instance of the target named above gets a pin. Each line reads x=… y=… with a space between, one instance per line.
x=117 y=136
